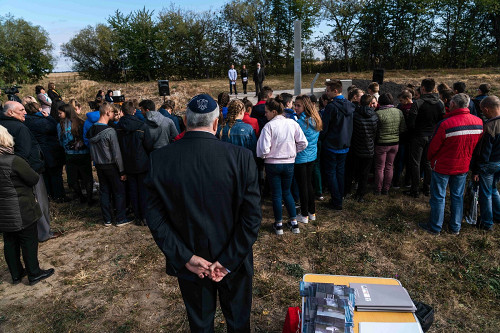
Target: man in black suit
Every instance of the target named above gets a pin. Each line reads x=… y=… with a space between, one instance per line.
x=258 y=77
x=204 y=214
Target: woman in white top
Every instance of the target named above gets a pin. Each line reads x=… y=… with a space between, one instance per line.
x=279 y=142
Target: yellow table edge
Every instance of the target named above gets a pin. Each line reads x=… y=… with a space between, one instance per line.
x=385 y=317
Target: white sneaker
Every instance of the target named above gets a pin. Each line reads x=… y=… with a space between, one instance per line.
x=302 y=219
x=312 y=217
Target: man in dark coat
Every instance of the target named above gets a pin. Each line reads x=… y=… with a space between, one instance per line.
x=422 y=119
x=336 y=140
x=204 y=214
x=132 y=139
x=27 y=147
x=258 y=77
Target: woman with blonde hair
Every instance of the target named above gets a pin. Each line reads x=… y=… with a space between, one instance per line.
x=20 y=213
x=28 y=99
x=310 y=122
x=235 y=131
x=76 y=105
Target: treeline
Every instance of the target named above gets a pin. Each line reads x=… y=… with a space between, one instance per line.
x=361 y=34
x=25 y=51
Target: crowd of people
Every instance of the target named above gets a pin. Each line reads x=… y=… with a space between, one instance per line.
x=233 y=152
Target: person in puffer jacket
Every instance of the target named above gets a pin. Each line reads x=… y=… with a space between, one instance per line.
x=311 y=124
x=107 y=157
x=365 y=124
x=391 y=123
x=279 y=142
x=161 y=130
x=20 y=213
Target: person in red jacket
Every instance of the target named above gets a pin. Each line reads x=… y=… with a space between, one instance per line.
x=449 y=154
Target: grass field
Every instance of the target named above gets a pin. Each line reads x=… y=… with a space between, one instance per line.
x=113 y=279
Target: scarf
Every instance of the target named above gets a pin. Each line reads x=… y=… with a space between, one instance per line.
x=6 y=150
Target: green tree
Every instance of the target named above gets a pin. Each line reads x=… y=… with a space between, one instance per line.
x=283 y=15
x=94 y=53
x=137 y=42
x=25 y=51
x=344 y=17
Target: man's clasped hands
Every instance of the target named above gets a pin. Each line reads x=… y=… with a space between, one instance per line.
x=203 y=268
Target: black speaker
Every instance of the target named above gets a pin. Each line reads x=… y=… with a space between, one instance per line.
x=378 y=75
x=163 y=88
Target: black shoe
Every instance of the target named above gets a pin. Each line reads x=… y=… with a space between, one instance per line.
x=124 y=222
x=384 y=192
x=337 y=207
x=377 y=193
x=427 y=228
x=20 y=277
x=411 y=194
x=427 y=193
x=481 y=226
x=42 y=276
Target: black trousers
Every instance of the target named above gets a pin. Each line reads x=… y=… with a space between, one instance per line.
x=303 y=173
x=25 y=240
x=137 y=193
x=235 y=297
x=362 y=167
x=111 y=188
x=350 y=172
x=231 y=86
x=79 y=166
x=244 y=86
x=54 y=182
x=418 y=152
x=258 y=88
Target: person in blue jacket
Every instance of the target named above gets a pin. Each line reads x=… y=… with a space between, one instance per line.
x=311 y=124
x=92 y=118
x=235 y=131
x=78 y=164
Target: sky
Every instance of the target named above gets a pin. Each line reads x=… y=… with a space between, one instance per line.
x=63 y=19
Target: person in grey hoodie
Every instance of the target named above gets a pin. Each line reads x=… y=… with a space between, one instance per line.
x=107 y=157
x=161 y=130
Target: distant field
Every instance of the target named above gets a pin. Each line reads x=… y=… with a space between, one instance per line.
x=71 y=85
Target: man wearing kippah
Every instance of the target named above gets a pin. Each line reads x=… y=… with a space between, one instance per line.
x=204 y=214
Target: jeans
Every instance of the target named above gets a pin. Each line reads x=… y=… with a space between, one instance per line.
x=110 y=186
x=334 y=166
x=489 y=199
x=401 y=163
x=280 y=178
x=437 y=201
x=304 y=176
x=384 y=163
x=418 y=148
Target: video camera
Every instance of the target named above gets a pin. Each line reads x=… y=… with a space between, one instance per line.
x=11 y=93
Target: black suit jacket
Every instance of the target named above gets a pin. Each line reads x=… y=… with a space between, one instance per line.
x=204 y=200
x=260 y=77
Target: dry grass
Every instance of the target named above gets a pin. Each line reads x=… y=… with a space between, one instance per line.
x=113 y=279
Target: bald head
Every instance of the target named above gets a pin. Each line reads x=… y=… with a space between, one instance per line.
x=491 y=107
x=14 y=110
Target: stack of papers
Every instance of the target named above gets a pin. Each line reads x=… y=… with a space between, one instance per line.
x=389 y=328
x=379 y=297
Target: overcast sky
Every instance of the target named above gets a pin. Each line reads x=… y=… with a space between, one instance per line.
x=62 y=19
